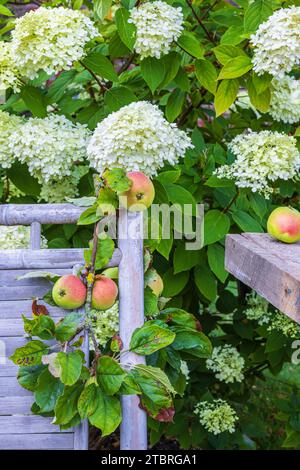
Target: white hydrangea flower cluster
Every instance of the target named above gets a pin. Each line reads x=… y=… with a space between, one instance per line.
x=217 y=416
x=227 y=364
x=16 y=237
x=49 y=146
x=50 y=39
x=258 y=310
x=60 y=190
x=184 y=369
x=9 y=124
x=261 y=158
x=157 y=26
x=285 y=99
x=137 y=137
x=9 y=75
x=105 y=324
x=277 y=43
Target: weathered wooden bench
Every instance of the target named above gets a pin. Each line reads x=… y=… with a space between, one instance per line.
x=269 y=267
x=19 y=429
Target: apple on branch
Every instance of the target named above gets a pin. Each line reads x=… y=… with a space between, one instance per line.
x=141 y=193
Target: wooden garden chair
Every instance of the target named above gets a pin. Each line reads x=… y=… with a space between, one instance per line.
x=19 y=429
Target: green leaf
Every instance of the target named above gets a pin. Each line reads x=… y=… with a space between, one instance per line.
x=184 y=259
x=100 y=65
x=30 y=354
x=174 y=283
x=67 y=327
x=28 y=376
x=153 y=72
x=261 y=82
x=66 y=405
x=70 y=366
x=246 y=222
x=236 y=67
x=261 y=101
x=107 y=201
x=171 y=63
x=194 y=343
x=174 y=105
x=191 y=44
x=216 y=257
x=107 y=415
x=168 y=177
x=52 y=277
x=206 y=282
x=23 y=180
x=42 y=326
x=102 y=8
x=34 y=100
x=89 y=216
x=215 y=182
x=216 y=226
x=258 y=204
x=150 y=302
x=150 y=338
x=5 y=11
x=179 y=317
x=47 y=391
x=224 y=53
x=155 y=395
x=117 y=180
x=256 y=13
x=234 y=35
x=117 y=97
x=110 y=374
x=225 y=95
x=207 y=75
x=179 y=195
x=127 y=31
x=58 y=86
x=105 y=249
x=87 y=401
x=157 y=374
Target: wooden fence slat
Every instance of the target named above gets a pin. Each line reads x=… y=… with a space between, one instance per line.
x=131 y=312
x=8 y=277
x=47 y=258
x=9 y=386
x=37 y=441
x=8 y=370
x=14 y=309
x=28 y=425
x=16 y=405
x=35 y=235
x=26 y=214
x=23 y=292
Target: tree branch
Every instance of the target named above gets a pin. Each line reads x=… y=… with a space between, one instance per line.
x=200 y=22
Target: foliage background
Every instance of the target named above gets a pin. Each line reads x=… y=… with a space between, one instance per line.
x=184 y=84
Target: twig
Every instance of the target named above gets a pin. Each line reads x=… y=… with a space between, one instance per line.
x=126 y=64
x=101 y=85
x=226 y=209
x=209 y=36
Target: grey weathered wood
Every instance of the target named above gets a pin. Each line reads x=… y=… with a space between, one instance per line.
x=19 y=214
x=35 y=236
x=269 y=267
x=27 y=425
x=8 y=277
x=9 y=386
x=16 y=405
x=23 y=292
x=37 y=441
x=131 y=306
x=47 y=259
x=13 y=309
x=8 y=370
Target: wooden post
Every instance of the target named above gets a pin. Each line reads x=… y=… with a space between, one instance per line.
x=35 y=236
x=131 y=308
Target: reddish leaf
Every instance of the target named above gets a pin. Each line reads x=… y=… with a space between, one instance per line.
x=39 y=309
x=198 y=326
x=165 y=415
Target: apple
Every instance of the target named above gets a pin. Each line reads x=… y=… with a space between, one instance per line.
x=104 y=293
x=141 y=194
x=284 y=224
x=154 y=281
x=69 y=292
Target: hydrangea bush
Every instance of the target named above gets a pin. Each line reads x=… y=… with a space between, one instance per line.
x=203 y=97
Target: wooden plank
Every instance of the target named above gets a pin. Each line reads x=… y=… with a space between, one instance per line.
x=8 y=370
x=28 y=425
x=9 y=277
x=9 y=386
x=37 y=441
x=131 y=307
x=47 y=259
x=14 y=309
x=269 y=267
x=23 y=292
x=16 y=405
x=35 y=235
x=26 y=214
x=13 y=342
